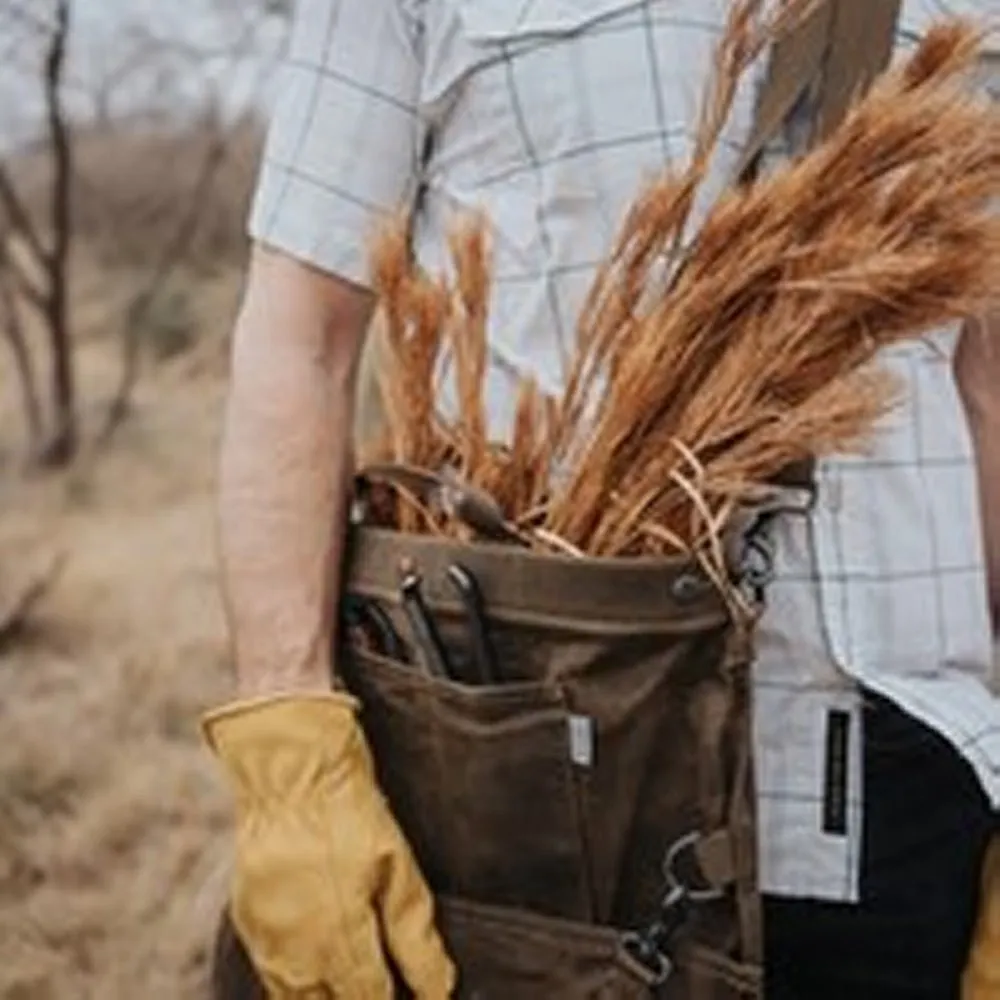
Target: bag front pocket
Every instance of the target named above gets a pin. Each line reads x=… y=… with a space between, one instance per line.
x=507 y=954
x=481 y=781
x=714 y=976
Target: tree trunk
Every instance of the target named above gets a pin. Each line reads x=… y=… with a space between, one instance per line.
x=13 y=330
x=171 y=256
x=65 y=439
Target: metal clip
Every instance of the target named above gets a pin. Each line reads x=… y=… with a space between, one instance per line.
x=671 y=862
x=757 y=557
x=758 y=563
x=649 y=945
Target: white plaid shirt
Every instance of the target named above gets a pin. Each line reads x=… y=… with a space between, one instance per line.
x=549 y=114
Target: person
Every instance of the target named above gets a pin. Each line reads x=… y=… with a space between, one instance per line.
x=877 y=737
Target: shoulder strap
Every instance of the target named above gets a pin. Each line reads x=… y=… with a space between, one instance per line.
x=862 y=38
x=837 y=49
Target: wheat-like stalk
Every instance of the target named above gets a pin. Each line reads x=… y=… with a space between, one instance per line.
x=797 y=281
x=416 y=312
x=697 y=382
x=468 y=339
x=651 y=239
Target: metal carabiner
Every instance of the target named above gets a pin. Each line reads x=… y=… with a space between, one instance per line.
x=671 y=862
x=649 y=946
x=659 y=965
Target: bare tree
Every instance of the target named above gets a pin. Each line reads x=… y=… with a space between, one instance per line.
x=13 y=329
x=40 y=272
x=121 y=65
x=170 y=256
x=192 y=82
x=244 y=24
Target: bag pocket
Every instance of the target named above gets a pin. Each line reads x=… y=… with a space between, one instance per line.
x=508 y=954
x=481 y=782
x=711 y=975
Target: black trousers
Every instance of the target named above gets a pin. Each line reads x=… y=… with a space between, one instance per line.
x=927 y=825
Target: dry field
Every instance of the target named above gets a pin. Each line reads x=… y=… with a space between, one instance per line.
x=113 y=822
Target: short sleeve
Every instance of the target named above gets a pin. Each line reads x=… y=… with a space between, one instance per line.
x=345 y=138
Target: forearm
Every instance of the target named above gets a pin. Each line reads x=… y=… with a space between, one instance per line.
x=285 y=469
x=978 y=365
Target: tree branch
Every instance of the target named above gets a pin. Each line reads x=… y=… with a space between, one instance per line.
x=172 y=254
x=25 y=285
x=20 y=220
x=10 y=318
x=20 y=12
x=17 y=604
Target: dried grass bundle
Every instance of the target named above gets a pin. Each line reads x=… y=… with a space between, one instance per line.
x=655 y=226
x=689 y=396
x=882 y=233
x=416 y=313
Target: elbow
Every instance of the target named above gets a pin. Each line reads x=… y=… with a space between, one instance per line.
x=293 y=312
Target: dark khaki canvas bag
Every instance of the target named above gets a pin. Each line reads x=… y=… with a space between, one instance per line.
x=601 y=787
x=586 y=821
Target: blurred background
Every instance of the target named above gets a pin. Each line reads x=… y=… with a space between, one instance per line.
x=130 y=132
x=129 y=137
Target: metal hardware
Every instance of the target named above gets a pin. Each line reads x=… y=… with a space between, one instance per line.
x=757 y=556
x=690 y=587
x=483 y=654
x=650 y=946
x=372 y=625
x=429 y=645
x=671 y=862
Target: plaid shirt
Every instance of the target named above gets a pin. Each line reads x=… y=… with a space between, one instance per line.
x=549 y=114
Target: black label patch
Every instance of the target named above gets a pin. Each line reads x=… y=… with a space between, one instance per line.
x=838 y=732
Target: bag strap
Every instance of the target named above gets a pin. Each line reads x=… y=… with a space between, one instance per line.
x=795 y=64
x=837 y=49
x=441 y=491
x=862 y=38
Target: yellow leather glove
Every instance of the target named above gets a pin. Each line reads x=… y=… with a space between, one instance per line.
x=324 y=882
x=982 y=975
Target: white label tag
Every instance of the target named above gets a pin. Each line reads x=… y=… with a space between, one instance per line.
x=581 y=740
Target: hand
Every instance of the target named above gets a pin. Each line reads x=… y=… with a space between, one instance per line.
x=324 y=880
x=982 y=975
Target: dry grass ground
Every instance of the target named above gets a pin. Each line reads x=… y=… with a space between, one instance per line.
x=112 y=818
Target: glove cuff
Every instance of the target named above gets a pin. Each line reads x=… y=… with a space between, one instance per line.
x=278 y=738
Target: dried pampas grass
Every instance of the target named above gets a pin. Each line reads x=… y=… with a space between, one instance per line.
x=689 y=395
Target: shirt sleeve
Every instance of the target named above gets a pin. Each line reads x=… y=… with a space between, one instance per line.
x=345 y=138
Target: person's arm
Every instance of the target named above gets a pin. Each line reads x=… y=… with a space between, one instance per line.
x=285 y=469
x=310 y=813
x=343 y=152
x=978 y=370
x=324 y=886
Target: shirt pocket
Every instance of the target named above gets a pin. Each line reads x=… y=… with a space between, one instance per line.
x=504 y=21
